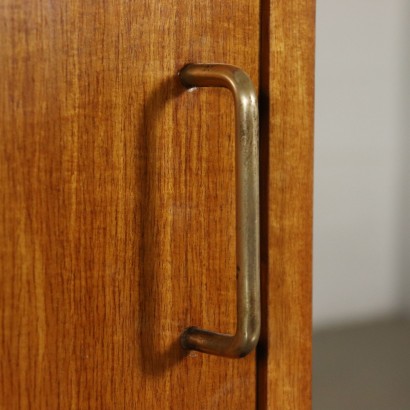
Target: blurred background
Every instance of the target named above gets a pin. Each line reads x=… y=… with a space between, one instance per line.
x=361 y=268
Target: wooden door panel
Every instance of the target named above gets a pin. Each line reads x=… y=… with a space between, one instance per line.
x=117 y=213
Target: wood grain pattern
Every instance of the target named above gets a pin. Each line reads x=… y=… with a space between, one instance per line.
x=286 y=82
x=117 y=203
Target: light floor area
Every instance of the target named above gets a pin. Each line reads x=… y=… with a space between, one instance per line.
x=362 y=367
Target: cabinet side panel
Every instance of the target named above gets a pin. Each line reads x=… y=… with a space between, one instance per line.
x=286 y=81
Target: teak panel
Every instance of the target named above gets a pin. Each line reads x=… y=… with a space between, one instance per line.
x=286 y=83
x=117 y=203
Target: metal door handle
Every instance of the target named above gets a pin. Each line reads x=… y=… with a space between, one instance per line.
x=247 y=212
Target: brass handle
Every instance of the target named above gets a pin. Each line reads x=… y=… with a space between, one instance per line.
x=247 y=212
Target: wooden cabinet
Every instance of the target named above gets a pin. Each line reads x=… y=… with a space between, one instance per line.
x=117 y=203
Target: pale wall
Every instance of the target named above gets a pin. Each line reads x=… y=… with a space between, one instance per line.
x=361 y=176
